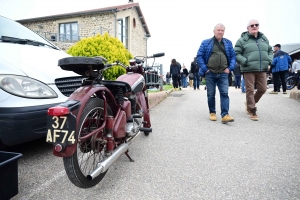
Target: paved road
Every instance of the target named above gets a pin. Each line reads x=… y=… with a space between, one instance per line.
x=189 y=157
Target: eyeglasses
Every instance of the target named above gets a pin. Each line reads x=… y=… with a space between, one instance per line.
x=252 y=25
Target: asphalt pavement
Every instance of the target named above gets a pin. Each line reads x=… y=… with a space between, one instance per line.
x=187 y=156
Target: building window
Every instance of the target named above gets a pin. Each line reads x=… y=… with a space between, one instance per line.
x=123 y=31
x=68 y=32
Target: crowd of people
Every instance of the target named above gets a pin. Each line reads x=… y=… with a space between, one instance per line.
x=249 y=61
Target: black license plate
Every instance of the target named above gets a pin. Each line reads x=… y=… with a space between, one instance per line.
x=61 y=129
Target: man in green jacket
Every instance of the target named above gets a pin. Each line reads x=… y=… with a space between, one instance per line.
x=254 y=54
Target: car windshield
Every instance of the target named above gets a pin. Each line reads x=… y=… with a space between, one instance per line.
x=10 y=28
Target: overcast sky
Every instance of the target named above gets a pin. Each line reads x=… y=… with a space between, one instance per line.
x=177 y=27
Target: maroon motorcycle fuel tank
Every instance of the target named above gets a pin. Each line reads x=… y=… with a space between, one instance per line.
x=135 y=80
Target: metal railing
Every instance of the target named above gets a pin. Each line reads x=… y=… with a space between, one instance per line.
x=154 y=78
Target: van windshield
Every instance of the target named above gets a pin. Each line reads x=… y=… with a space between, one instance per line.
x=10 y=28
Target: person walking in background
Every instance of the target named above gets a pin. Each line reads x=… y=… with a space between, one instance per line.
x=280 y=66
x=243 y=87
x=295 y=66
x=179 y=77
x=174 y=71
x=184 y=76
x=254 y=54
x=195 y=70
x=168 y=77
x=237 y=76
x=216 y=58
x=191 y=79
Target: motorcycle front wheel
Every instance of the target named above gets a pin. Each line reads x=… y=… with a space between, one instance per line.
x=140 y=110
x=290 y=83
x=90 y=151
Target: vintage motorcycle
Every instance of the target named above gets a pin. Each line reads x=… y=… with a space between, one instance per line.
x=99 y=121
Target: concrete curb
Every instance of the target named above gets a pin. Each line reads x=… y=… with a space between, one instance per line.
x=157 y=97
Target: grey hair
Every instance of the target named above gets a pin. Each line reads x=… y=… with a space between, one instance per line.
x=219 y=24
x=252 y=20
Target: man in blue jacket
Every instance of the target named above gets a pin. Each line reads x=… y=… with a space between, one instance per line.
x=280 y=66
x=216 y=58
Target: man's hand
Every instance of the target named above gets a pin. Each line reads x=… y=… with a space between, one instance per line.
x=226 y=71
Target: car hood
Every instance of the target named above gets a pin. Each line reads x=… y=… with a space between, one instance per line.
x=31 y=61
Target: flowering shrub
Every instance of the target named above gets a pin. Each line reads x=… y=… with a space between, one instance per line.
x=106 y=46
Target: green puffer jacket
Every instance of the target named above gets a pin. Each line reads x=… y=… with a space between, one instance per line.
x=253 y=54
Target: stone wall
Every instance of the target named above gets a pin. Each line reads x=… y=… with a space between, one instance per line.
x=90 y=25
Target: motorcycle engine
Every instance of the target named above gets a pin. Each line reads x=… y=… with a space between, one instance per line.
x=132 y=128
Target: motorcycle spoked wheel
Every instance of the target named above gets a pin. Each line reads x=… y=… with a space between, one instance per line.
x=139 y=109
x=89 y=152
x=290 y=83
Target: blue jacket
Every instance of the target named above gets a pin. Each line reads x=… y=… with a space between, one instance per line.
x=205 y=51
x=281 y=61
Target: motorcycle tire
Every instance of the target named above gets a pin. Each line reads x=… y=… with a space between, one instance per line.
x=290 y=83
x=88 y=153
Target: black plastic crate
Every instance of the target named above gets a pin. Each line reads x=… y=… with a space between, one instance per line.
x=8 y=174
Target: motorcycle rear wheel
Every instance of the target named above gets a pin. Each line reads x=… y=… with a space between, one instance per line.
x=290 y=83
x=89 y=152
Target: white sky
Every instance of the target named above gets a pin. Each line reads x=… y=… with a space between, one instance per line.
x=177 y=27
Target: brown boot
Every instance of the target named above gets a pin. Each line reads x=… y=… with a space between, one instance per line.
x=253 y=115
x=246 y=108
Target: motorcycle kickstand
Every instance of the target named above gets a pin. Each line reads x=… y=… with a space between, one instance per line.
x=131 y=160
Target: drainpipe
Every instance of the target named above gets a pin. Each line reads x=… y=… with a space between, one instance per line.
x=115 y=20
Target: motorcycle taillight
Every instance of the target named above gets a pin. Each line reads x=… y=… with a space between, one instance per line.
x=58 y=111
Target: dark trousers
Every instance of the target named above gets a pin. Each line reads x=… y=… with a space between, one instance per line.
x=279 y=79
x=175 y=81
x=237 y=81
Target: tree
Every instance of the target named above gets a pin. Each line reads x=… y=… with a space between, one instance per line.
x=106 y=46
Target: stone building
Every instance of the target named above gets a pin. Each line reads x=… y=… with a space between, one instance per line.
x=125 y=22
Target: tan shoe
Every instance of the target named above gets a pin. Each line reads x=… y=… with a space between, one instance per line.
x=227 y=119
x=213 y=117
x=284 y=92
x=273 y=92
x=253 y=115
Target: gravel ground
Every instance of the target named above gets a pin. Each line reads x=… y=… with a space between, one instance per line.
x=187 y=156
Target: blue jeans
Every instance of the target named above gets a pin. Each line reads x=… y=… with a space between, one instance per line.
x=196 y=81
x=243 y=85
x=184 y=82
x=220 y=80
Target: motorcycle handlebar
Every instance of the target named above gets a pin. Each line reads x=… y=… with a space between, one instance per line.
x=158 y=55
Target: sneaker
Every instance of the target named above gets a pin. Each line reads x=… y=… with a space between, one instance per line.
x=253 y=115
x=213 y=117
x=227 y=119
x=273 y=92
x=246 y=108
x=284 y=92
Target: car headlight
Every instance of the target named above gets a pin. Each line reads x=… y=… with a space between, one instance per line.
x=26 y=87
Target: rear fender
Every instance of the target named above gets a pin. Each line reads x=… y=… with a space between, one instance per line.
x=144 y=103
x=82 y=95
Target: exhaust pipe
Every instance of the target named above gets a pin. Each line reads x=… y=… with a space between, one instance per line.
x=105 y=164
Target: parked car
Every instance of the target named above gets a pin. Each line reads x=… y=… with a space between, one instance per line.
x=30 y=82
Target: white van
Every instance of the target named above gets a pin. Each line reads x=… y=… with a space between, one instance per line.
x=30 y=82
